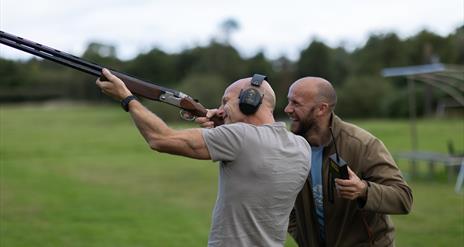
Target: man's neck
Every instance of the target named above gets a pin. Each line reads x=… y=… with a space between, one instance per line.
x=260 y=119
x=320 y=136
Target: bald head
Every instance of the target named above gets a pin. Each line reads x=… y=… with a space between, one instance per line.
x=269 y=99
x=318 y=88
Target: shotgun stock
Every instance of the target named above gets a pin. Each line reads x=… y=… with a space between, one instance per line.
x=190 y=108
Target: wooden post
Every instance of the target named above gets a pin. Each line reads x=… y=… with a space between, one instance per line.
x=431 y=169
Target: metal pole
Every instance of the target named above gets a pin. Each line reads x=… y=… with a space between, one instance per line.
x=412 y=117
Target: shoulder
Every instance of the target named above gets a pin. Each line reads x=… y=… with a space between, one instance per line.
x=357 y=141
x=251 y=129
x=234 y=127
x=236 y=132
x=355 y=134
x=281 y=128
x=294 y=141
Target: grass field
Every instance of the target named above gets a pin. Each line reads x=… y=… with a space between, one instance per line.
x=82 y=176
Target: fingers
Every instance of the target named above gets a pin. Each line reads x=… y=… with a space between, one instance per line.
x=349 y=193
x=208 y=125
x=105 y=79
x=211 y=113
x=343 y=189
x=112 y=78
x=351 y=188
x=108 y=75
x=348 y=188
x=204 y=122
x=112 y=86
x=351 y=174
x=352 y=180
x=103 y=85
x=344 y=182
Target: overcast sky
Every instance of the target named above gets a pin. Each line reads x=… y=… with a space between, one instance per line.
x=275 y=27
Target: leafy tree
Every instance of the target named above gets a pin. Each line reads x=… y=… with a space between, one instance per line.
x=284 y=76
x=380 y=51
x=156 y=66
x=425 y=47
x=341 y=66
x=363 y=97
x=258 y=64
x=454 y=53
x=9 y=71
x=315 y=61
x=217 y=59
x=95 y=49
x=207 y=88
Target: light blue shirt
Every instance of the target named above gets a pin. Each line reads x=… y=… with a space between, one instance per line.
x=316 y=179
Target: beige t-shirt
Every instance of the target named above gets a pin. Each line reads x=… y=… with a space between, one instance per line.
x=262 y=169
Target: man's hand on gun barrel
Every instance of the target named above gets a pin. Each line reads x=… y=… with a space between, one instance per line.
x=113 y=86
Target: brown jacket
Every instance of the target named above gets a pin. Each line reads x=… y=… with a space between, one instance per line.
x=350 y=223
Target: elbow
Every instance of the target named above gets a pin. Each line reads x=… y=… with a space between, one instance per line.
x=156 y=145
x=153 y=145
x=162 y=146
x=161 y=142
x=407 y=201
x=408 y=207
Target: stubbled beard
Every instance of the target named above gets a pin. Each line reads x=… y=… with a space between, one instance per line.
x=307 y=124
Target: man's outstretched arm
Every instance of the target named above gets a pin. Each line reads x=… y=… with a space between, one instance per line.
x=159 y=136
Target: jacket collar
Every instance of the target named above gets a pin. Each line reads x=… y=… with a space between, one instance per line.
x=335 y=123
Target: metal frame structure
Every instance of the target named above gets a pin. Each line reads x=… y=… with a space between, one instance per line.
x=448 y=78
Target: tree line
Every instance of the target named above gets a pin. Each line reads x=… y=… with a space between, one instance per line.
x=204 y=71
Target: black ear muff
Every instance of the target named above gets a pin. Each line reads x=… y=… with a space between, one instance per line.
x=250 y=99
x=249 y=102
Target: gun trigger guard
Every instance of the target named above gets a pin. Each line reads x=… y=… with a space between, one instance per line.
x=186 y=115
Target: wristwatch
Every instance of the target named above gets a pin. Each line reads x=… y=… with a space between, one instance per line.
x=125 y=102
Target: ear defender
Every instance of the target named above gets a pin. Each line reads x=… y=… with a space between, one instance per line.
x=250 y=99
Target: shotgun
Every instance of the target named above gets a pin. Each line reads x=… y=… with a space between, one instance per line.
x=190 y=108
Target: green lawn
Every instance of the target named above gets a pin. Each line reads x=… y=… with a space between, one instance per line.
x=82 y=176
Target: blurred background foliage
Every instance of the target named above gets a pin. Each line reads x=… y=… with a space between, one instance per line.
x=204 y=71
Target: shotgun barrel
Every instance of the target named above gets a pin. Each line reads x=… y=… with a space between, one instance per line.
x=189 y=106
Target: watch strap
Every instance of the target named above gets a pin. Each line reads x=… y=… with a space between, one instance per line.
x=125 y=102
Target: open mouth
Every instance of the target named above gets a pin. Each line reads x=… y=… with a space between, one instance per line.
x=293 y=119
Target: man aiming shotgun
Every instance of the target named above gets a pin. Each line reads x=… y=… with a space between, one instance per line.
x=262 y=166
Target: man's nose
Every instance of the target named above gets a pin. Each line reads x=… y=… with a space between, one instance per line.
x=288 y=109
